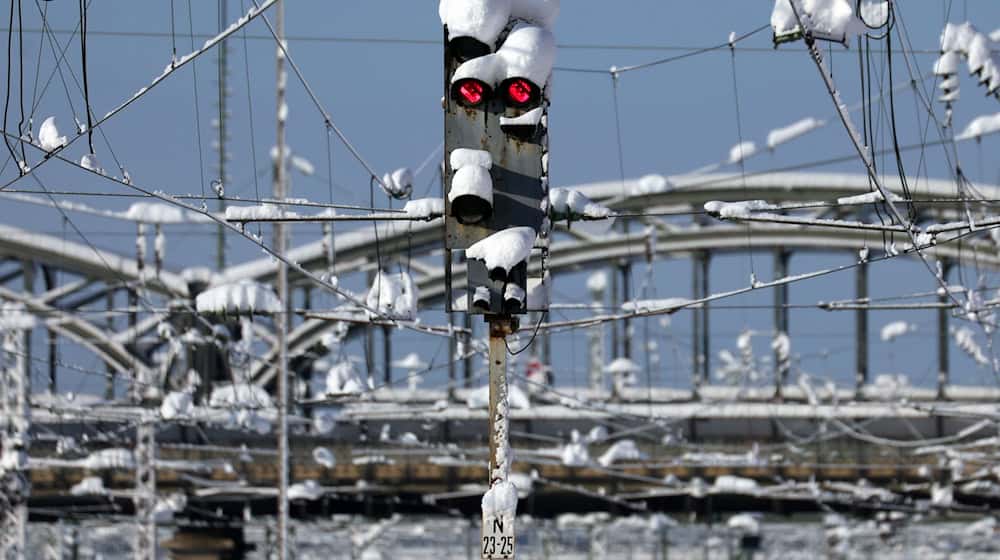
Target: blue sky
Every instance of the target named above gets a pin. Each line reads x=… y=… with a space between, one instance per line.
x=385 y=95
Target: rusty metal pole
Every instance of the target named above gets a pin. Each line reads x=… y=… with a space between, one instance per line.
x=499 y=430
x=498 y=421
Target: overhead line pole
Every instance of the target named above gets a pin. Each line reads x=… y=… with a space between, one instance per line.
x=281 y=247
x=220 y=243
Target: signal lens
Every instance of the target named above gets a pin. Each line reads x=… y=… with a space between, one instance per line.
x=471 y=92
x=520 y=91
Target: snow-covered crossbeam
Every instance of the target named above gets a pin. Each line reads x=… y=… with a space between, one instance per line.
x=243 y=297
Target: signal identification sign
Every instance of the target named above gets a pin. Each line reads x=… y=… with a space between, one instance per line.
x=498 y=537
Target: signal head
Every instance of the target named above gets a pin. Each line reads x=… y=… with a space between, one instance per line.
x=470 y=92
x=520 y=93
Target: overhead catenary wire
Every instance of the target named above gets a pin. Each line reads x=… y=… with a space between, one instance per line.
x=250 y=16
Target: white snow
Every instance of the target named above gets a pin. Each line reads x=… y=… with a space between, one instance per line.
x=978 y=53
x=411 y=361
x=736 y=210
x=736 y=484
x=874 y=13
x=743 y=522
x=14 y=316
x=597 y=433
x=624 y=450
x=324 y=457
x=947 y=64
x=514 y=292
x=782 y=347
x=500 y=501
x=788 y=133
x=480 y=398
x=481 y=296
x=569 y=204
x=112 y=458
x=480 y=19
x=244 y=296
x=530 y=118
x=981 y=126
x=650 y=184
x=155 y=213
x=597 y=282
x=48 y=135
x=177 y=404
x=471 y=178
x=942 y=495
x=965 y=40
x=574 y=453
x=741 y=151
x=89 y=486
x=303 y=165
x=89 y=162
x=892 y=331
x=948 y=84
x=463 y=157
x=830 y=19
x=265 y=211
x=644 y=305
x=504 y=249
x=343 y=377
x=528 y=52
x=867 y=198
x=621 y=365
x=167 y=506
x=239 y=395
x=957 y=36
x=399 y=183
x=889 y=385
x=393 y=295
x=965 y=339
x=305 y=490
x=424 y=208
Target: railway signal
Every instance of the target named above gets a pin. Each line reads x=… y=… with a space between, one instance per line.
x=498 y=57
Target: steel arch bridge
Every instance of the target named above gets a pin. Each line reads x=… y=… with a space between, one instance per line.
x=90 y=275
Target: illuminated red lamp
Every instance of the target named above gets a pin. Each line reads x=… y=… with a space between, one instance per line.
x=470 y=92
x=520 y=93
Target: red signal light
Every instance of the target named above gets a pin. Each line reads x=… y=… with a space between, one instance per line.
x=520 y=91
x=470 y=92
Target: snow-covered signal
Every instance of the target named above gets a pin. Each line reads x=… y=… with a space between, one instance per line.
x=498 y=63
